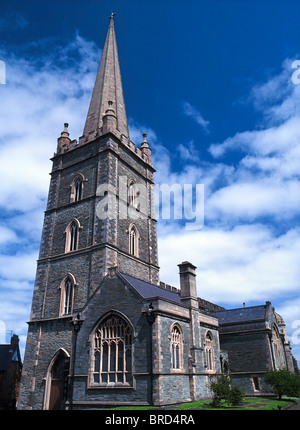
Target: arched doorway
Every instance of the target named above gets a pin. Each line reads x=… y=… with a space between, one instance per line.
x=57 y=381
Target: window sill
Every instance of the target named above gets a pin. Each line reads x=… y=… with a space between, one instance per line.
x=109 y=386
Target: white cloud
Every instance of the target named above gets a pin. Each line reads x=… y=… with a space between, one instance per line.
x=247 y=263
x=188 y=152
x=194 y=113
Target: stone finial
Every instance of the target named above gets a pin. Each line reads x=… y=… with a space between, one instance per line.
x=145 y=143
x=63 y=142
x=65 y=132
x=146 y=151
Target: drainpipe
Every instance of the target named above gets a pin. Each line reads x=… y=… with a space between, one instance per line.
x=151 y=318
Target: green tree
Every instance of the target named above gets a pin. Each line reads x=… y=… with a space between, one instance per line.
x=283 y=382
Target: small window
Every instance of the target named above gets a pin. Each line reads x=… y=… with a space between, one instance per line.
x=77 y=189
x=176 y=347
x=67 y=294
x=133 y=195
x=256 y=383
x=209 y=351
x=68 y=297
x=72 y=236
x=133 y=241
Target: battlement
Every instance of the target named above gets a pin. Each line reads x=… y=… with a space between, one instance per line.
x=65 y=144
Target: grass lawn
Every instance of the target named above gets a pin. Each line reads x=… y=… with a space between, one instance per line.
x=249 y=403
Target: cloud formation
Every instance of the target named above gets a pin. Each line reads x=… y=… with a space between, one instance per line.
x=194 y=113
x=40 y=94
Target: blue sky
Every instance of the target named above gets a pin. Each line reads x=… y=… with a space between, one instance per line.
x=211 y=84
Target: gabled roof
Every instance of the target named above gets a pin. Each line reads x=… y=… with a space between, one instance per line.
x=240 y=315
x=147 y=290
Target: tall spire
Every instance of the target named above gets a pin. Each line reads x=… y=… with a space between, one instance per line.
x=108 y=90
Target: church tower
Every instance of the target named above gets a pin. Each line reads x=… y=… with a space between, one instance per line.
x=100 y=210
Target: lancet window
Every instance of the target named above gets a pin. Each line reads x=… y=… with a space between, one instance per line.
x=176 y=347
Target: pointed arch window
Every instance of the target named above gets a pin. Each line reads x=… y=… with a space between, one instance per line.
x=112 y=352
x=209 y=351
x=176 y=347
x=133 y=195
x=133 y=241
x=77 y=188
x=67 y=295
x=72 y=236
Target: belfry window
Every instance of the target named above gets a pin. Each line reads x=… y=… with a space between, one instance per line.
x=209 y=351
x=133 y=195
x=176 y=347
x=113 y=352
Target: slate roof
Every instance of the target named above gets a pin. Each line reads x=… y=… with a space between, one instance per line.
x=147 y=290
x=251 y=313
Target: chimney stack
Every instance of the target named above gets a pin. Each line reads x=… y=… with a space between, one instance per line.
x=188 y=288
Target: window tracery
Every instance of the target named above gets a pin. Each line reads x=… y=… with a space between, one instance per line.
x=113 y=352
x=209 y=351
x=176 y=347
x=72 y=236
x=77 y=188
x=133 y=241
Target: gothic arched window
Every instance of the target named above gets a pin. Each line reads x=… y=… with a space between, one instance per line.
x=113 y=352
x=67 y=294
x=72 y=236
x=176 y=347
x=77 y=188
x=133 y=194
x=209 y=351
x=133 y=241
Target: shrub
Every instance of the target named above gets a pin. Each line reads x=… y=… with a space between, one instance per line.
x=223 y=390
x=235 y=396
x=283 y=382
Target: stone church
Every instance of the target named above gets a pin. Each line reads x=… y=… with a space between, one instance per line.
x=103 y=329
